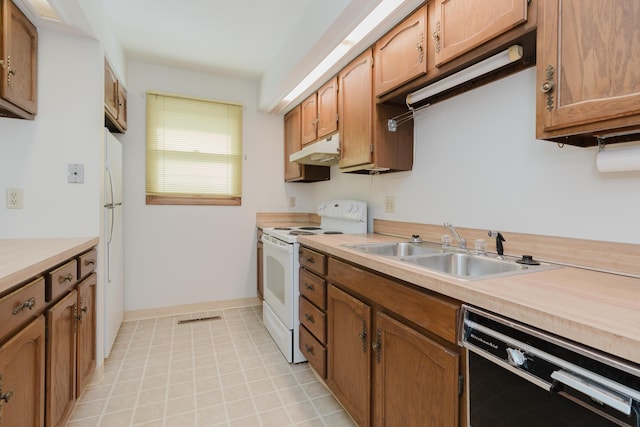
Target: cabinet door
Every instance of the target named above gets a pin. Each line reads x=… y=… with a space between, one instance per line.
x=292 y=143
x=348 y=354
x=588 y=66
x=355 y=102
x=110 y=91
x=328 y=108
x=19 y=58
x=22 y=362
x=309 y=119
x=401 y=55
x=122 y=107
x=86 y=331
x=416 y=379
x=61 y=360
x=462 y=25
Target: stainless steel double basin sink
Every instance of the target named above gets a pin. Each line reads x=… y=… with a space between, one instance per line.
x=451 y=261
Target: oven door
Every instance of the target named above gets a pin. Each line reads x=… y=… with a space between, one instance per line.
x=280 y=275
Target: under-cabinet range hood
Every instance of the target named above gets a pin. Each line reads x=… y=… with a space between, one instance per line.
x=324 y=152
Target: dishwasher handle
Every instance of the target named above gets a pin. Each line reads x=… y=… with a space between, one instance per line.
x=599 y=393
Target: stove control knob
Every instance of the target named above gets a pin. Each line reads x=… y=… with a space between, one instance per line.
x=516 y=357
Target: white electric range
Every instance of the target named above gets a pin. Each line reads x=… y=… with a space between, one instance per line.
x=280 y=269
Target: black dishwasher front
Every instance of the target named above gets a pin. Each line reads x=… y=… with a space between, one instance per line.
x=521 y=376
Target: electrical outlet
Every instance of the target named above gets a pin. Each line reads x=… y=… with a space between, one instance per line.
x=14 y=198
x=390 y=204
x=292 y=202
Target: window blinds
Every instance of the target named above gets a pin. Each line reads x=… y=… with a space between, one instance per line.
x=194 y=149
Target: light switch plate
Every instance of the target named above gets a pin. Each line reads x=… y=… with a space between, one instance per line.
x=75 y=173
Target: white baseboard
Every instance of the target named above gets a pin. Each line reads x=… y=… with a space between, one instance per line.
x=190 y=308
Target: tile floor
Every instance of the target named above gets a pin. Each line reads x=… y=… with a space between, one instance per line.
x=224 y=372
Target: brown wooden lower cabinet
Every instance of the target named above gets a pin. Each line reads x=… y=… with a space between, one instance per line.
x=416 y=379
x=22 y=381
x=48 y=343
x=348 y=353
x=86 y=354
x=392 y=358
x=61 y=359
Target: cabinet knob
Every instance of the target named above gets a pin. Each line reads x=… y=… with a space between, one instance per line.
x=309 y=349
x=67 y=278
x=309 y=318
x=309 y=287
x=547 y=87
x=28 y=304
x=90 y=262
x=436 y=36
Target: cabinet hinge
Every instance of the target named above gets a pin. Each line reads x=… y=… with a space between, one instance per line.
x=460 y=384
x=371 y=148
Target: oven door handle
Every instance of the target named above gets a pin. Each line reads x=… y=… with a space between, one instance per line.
x=617 y=401
x=277 y=244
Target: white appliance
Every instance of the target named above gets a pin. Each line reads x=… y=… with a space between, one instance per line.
x=112 y=243
x=280 y=269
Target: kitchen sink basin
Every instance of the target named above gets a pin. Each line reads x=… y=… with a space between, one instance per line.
x=472 y=267
x=398 y=248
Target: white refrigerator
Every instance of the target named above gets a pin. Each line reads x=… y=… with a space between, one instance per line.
x=112 y=244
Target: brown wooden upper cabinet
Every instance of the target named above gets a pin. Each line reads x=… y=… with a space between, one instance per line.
x=320 y=112
x=294 y=172
x=366 y=146
x=19 y=63
x=401 y=55
x=588 y=70
x=115 y=101
x=462 y=25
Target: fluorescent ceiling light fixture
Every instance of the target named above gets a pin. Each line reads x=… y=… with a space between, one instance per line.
x=44 y=9
x=379 y=14
x=492 y=63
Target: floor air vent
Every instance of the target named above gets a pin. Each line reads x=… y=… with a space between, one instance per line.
x=199 y=319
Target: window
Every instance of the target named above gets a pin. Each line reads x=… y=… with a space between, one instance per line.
x=194 y=151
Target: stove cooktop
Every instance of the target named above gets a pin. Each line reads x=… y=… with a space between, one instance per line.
x=289 y=234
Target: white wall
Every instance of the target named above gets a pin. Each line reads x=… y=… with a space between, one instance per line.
x=188 y=254
x=67 y=129
x=477 y=164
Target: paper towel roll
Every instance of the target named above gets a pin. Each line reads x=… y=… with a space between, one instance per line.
x=620 y=160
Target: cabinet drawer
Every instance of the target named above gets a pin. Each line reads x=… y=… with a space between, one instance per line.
x=87 y=263
x=312 y=288
x=60 y=280
x=21 y=306
x=435 y=313
x=314 y=351
x=312 y=260
x=312 y=318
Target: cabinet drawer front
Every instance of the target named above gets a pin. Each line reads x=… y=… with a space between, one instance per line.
x=88 y=263
x=314 y=351
x=312 y=260
x=312 y=288
x=60 y=280
x=437 y=314
x=312 y=318
x=21 y=306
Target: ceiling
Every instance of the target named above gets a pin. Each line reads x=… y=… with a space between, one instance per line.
x=239 y=37
x=275 y=42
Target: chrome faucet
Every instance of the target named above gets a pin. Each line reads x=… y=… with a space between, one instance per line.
x=462 y=243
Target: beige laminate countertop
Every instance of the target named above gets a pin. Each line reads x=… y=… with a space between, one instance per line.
x=22 y=259
x=596 y=309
